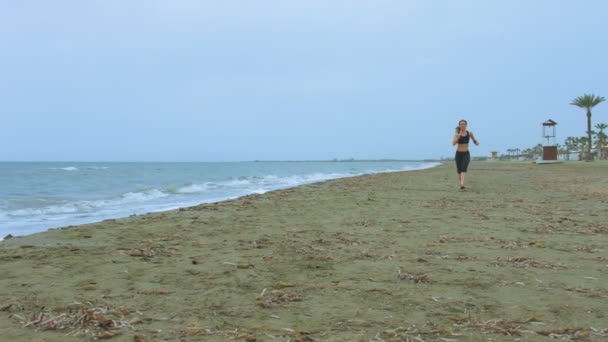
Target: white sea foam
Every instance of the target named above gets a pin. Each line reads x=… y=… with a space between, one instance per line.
x=67 y=168
x=193 y=188
x=74 y=168
x=236 y=183
x=96 y=167
x=88 y=206
x=140 y=196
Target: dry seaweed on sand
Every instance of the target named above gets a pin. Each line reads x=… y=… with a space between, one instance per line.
x=464 y=325
x=249 y=334
x=268 y=299
x=588 y=292
x=575 y=334
x=525 y=262
x=415 y=277
x=78 y=320
x=235 y=334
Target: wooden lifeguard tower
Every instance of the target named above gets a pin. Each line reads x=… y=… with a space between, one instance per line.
x=549 y=144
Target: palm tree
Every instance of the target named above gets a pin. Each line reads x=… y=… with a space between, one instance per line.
x=601 y=137
x=571 y=143
x=527 y=153
x=584 y=145
x=588 y=101
x=537 y=150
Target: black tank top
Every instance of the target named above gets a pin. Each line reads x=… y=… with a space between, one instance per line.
x=464 y=139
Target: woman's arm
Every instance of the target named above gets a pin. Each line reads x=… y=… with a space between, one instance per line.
x=473 y=137
x=455 y=139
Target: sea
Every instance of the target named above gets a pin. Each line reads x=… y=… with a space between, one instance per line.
x=37 y=196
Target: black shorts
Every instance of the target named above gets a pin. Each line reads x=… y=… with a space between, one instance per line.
x=462 y=161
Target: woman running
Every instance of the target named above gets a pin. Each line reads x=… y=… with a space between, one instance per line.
x=463 y=157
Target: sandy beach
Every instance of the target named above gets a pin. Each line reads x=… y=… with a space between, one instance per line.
x=520 y=254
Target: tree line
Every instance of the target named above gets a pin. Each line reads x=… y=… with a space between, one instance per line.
x=593 y=140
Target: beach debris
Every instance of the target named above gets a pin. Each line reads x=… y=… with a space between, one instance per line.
x=537 y=244
x=589 y=249
x=481 y=215
x=241 y=265
x=260 y=243
x=448 y=238
x=466 y=258
x=315 y=253
x=138 y=252
x=10 y=307
x=249 y=334
x=155 y=292
x=413 y=333
x=521 y=244
x=361 y=223
x=283 y=284
x=200 y=207
x=464 y=324
x=78 y=320
x=415 y=277
x=569 y=333
x=268 y=299
x=245 y=265
x=152 y=251
x=595 y=228
x=516 y=328
x=139 y=337
x=525 y=262
x=104 y=335
x=354 y=323
x=365 y=254
x=588 y=292
x=197 y=261
x=236 y=334
x=348 y=239
x=194 y=331
x=89 y=287
x=247 y=202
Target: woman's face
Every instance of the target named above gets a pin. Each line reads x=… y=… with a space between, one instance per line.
x=462 y=125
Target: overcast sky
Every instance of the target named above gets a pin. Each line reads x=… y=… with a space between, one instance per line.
x=224 y=80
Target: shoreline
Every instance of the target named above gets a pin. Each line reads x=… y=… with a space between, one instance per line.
x=175 y=206
x=397 y=256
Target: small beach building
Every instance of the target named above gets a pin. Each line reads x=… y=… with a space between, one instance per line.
x=549 y=144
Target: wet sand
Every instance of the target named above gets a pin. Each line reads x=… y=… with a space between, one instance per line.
x=522 y=253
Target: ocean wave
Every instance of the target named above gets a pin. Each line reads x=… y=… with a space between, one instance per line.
x=236 y=183
x=81 y=207
x=193 y=188
x=256 y=183
x=67 y=168
x=139 y=196
x=49 y=210
x=74 y=168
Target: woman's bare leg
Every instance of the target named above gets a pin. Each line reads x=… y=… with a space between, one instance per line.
x=463 y=178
